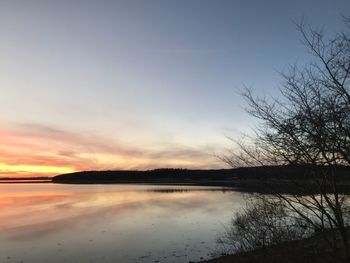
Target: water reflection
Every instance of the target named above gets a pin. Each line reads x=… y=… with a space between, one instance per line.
x=111 y=223
x=171 y=190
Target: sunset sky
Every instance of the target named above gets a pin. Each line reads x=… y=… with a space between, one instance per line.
x=139 y=84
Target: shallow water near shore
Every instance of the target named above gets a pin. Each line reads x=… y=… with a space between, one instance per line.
x=112 y=223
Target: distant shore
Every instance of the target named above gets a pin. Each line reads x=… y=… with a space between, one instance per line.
x=289 y=179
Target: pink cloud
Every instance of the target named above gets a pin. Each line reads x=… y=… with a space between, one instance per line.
x=40 y=145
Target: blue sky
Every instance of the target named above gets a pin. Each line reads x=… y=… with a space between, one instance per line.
x=160 y=78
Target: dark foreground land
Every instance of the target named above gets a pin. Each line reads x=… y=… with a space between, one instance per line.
x=310 y=250
x=266 y=179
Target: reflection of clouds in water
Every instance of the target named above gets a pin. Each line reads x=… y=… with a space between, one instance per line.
x=85 y=222
x=36 y=210
x=31 y=216
x=90 y=217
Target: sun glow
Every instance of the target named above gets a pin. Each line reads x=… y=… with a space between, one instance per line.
x=40 y=151
x=34 y=169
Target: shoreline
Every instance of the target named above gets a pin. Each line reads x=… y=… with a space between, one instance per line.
x=259 y=186
x=247 y=186
x=288 y=179
x=313 y=249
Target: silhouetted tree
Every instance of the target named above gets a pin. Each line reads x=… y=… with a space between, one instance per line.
x=309 y=124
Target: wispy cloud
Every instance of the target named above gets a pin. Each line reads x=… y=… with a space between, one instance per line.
x=36 y=149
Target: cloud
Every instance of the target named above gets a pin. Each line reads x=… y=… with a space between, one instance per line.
x=45 y=149
x=92 y=143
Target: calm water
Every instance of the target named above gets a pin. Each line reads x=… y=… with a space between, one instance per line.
x=111 y=223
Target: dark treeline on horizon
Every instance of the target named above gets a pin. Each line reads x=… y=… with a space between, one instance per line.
x=285 y=172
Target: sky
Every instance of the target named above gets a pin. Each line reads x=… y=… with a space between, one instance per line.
x=140 y=84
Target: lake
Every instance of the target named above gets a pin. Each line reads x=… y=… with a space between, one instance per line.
x=112 y=223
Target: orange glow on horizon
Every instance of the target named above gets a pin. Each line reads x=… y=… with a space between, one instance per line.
x=40 y=151
x=30 y=170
